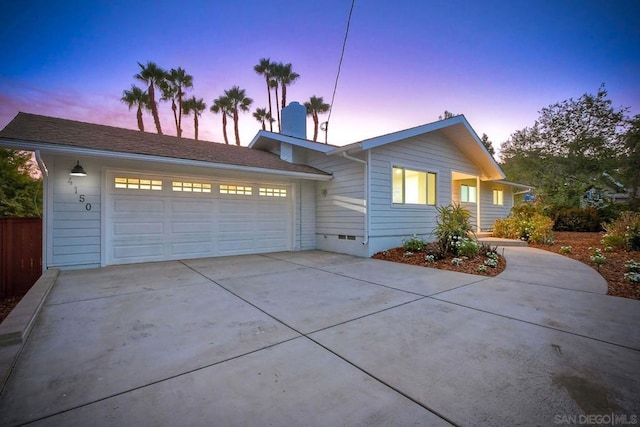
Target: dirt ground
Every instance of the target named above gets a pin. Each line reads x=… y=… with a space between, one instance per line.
x=468 y=265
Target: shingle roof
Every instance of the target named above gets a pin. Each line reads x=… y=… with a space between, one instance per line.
x=27 y=127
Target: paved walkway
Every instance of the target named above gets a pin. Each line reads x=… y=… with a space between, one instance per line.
x=316 y=338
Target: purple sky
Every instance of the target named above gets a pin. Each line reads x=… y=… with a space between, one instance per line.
x=406 y=61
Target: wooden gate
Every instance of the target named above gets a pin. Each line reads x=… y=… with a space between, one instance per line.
x=20 y=255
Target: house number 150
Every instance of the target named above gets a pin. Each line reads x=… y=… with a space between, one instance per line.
x=81 y=200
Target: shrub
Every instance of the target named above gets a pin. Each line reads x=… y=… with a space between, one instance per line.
x=527 y=225
x=452 y=225
x=597 y=258
x=623 y=232
x=465 y=246
x=576 y=219
x=413 y=244
x=632 y=266
x=565 y=249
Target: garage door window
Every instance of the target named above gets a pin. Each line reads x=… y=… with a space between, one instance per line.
x=191 y=187
x=236 y=189
x=137 y=184
x=272 y=192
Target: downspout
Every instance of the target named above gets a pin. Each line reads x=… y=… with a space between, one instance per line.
x=45 y=185
x=366 y=194
x=478 y=209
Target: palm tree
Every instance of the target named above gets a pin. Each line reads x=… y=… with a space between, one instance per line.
x=222 y=105
x=139 y=98
x=264 y=69
x=263 y=116
x=286 y=77
x=153 y=76
x=238 y=101
x=169 y=93
x=276 y=72
x=314 y=107
x=178 y=81
x=197 y=106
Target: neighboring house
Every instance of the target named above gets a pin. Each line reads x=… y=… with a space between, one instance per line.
x=148 y=197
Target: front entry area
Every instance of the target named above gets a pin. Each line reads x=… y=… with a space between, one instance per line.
x=160 y=218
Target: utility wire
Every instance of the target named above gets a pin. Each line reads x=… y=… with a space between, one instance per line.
x=335 y=87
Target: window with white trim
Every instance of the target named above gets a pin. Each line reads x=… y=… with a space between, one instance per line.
x=498 y=197
x=137 y=183
x=191 y=187
x=413 y=187
x=272 y=192
x=242 y=190
x=468 y=193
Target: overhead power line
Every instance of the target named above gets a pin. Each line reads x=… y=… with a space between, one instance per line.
x=335 y=87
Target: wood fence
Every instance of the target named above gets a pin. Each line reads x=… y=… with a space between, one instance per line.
x=20 y=255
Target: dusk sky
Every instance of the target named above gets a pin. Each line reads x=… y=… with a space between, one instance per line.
x=498 y=62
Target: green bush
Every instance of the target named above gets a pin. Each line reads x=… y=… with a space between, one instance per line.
x=527 y=225
x=623 y=232
x=576 y=219
x=452 y=226
x=413 y=244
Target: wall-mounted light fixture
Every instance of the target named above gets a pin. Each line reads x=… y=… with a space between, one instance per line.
x=78 y=170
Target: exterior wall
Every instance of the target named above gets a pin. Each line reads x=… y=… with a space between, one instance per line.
x=305 y=216
x=73 y=213
x=340 y=205
x=470 y=206
x=75 y=207
x=491 y=212
x=390 y=223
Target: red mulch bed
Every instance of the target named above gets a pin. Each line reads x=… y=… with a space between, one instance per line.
x=6 y=305
x=613 y=270
x=469 y=265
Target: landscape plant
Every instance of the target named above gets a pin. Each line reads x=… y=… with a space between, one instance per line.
x=624 y=232
x=452 y=229
x=525 y=223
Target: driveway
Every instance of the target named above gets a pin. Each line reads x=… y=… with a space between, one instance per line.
x=316 y=338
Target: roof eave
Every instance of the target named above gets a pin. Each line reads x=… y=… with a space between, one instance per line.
x=264 y=135
x=65 y=149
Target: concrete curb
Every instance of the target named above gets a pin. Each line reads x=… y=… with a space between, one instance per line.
x=16 y=327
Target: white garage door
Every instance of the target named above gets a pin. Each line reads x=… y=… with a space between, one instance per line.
x=152 y=218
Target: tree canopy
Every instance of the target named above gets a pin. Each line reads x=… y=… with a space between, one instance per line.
x=20 y=192
x=568 y=148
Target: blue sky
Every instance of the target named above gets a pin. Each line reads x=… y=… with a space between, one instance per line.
x=498 y=62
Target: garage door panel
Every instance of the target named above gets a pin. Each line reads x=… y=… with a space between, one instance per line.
x=165 y=225
x=137 y=252
x=138 y=229
x=138 y=204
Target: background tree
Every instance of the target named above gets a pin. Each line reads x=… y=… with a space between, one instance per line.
x=274 y=83
x=264 y=69
x=488 y=144
x=138 y=98
x=20 y=192
x=195 y=106
x=153 y=76
x=630 y=161
x=263 y=116
x=222 y=105
x=287 y=77
x=239 y=101
x=567 y=149
x=176 y=82
x=447 y=115
x=316 y=106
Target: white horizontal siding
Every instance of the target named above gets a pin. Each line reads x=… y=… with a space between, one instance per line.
x=429 y=153
x=75 y=214
x=340 y=204
x=491 y=212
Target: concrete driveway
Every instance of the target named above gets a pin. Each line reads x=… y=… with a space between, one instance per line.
x=316 y=338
